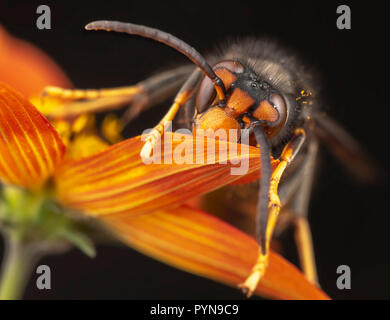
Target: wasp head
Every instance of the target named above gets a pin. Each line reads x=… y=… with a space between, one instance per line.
x=248 y=99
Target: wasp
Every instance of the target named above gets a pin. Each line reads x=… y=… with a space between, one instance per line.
x=252 y=84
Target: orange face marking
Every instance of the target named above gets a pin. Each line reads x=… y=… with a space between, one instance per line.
x=265 y=111
x=239 y=102
x=226 y=76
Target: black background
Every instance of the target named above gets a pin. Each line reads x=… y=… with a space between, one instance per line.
x=350 y=223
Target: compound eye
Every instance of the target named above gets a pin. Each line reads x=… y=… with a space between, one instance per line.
x=206 y=94
x=280 y=105
x=226 y=70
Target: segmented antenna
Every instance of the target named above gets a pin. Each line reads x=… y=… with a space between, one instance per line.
x=166 y=39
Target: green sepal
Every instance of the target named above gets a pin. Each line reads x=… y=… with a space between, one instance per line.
x=79 y=240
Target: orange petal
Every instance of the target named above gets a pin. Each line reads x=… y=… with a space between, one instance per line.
x=30 y=148
x=116 y=181
x=27 y=68
x=202 y=244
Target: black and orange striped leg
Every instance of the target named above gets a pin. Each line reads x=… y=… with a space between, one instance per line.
x=185 y=93
x=274 y=205
x=141 y=96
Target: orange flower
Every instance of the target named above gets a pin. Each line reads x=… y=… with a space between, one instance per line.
x=27 y=68
x=142 y=203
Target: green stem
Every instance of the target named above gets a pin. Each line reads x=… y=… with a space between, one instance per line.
x=17 y=264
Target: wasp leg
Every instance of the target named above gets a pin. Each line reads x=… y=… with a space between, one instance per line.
x=143 y=95
x=157 y=89
x=77 y=94
x=274 y=205
x=304 y=243
x=299 y=207
x=185 y=93
x=76 y=108
x=295 y=193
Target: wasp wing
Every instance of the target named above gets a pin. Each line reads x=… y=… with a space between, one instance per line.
x=346 y=149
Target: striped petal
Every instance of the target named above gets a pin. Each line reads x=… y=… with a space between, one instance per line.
x=117 y=182
x=202 y=244
x=30 y=148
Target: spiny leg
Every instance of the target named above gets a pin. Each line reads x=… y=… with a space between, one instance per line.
x=274 y=205
x=185 y=93
x=143 y=95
